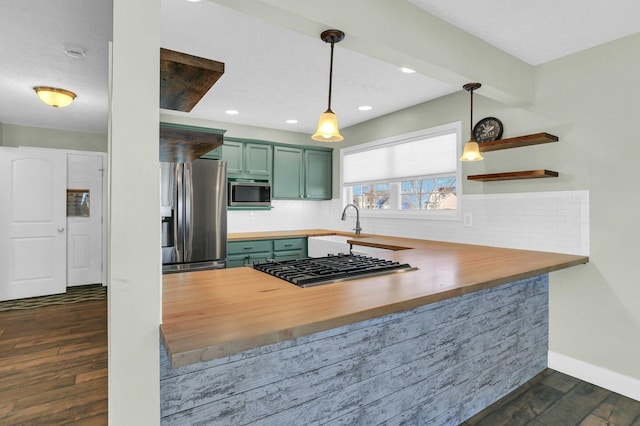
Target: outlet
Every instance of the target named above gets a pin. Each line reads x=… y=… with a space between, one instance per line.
x=468 y=219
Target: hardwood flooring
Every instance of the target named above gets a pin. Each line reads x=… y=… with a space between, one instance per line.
x=53 y=365
x=53 y=371
x=555 y=399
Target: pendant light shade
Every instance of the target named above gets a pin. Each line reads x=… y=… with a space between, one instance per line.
x=328 y=130
x=55 y=97
x=471 y=149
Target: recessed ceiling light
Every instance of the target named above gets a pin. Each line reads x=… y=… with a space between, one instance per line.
x=364 y=108
x=407 y=70
x=194 y=1
x=292 y=121
x=232 y=112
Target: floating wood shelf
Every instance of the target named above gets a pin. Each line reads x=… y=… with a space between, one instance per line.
x=180 y=143
x=529 y=174
x=535 y=139
x=185 y=79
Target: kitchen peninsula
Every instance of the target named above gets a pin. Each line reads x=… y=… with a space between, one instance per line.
x=433 y=345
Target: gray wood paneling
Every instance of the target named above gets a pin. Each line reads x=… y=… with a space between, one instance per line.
x=440 y=364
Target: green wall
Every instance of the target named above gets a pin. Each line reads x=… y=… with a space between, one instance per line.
x=587 y=100
x=12 y=135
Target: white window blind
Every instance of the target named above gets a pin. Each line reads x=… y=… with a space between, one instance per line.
x=424 y=157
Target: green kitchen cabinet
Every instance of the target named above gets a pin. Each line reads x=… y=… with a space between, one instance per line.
x=215 y=154
x=301 y=173
x=247 y=160
x=317 y=174
x=288 y=174
x=246 y=253
x=289 y=249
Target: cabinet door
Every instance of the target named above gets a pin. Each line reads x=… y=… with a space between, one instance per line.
x=317 y=171
x=258 y=160
x=214 y=154
x=288 y=255
x=233 y=152
x=259 y=258
x=237 y=260
x=287 y=172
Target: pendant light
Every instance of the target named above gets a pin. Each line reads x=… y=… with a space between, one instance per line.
x=55 y=97
x=328 y=130
x=471 y=148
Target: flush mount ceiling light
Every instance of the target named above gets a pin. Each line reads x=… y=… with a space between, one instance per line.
x=328 y=130
x=471 y=148
x=55 y=97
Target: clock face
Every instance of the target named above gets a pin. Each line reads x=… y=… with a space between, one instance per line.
x=487 y=130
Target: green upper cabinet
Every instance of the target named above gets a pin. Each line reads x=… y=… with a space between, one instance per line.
x=214 y=154
x=287 y=172
x=247 y=160
x=301 y=173
x=258 y=160
x=317 y=172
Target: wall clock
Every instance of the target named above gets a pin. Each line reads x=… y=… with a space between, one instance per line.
x=488 y=129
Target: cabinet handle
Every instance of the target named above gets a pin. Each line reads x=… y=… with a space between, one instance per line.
x=248 y=248
x=288 y=245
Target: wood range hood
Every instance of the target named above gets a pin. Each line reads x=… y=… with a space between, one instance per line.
x=184 y=80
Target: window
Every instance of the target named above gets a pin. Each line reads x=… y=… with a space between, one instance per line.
x=413 y=174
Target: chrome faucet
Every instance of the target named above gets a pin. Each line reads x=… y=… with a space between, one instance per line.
x=344 y=217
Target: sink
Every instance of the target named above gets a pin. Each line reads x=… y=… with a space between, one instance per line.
x=334 y=244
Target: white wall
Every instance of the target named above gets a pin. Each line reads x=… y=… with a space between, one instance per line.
x=134 y=222
x=586 y=100
x=14 y=135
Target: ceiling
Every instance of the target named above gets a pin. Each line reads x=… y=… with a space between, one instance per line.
x=272 y=73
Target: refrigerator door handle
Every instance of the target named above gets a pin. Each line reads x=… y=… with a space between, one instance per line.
x=188 y=211
x=178 y=234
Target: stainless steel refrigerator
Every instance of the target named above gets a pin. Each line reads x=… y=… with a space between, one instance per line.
x=194 y=215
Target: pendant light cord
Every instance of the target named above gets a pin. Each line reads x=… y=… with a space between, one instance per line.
x=471 y=119
x=330 y=77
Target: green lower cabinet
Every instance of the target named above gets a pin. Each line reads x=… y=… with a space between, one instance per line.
x=287 y=255
x=246 y=253
x=289 y=249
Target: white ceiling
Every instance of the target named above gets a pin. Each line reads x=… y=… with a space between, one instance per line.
x=272 y=73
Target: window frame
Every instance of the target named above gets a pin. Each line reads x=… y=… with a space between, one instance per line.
x=447 y=215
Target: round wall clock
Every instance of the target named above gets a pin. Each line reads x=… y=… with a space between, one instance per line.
x=487 y=130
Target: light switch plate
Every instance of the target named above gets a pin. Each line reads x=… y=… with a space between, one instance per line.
x=468 y=219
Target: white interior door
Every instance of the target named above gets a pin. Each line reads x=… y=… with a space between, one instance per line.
x=84 y=219
x=32 y=222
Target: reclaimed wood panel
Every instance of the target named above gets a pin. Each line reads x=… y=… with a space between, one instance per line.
x=411 y=366
x=185 y=79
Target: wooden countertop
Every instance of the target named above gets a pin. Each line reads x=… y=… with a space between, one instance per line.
x=209 y=314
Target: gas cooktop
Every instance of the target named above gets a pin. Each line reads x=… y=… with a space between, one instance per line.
x=334 y=268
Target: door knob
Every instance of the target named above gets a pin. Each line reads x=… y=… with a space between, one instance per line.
x=60 y=230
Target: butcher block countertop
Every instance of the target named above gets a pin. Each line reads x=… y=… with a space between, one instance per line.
x=209 y=314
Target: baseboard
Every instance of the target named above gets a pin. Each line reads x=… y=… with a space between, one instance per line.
x=593 y=374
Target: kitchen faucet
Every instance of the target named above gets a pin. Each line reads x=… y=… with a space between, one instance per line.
x=344 y=217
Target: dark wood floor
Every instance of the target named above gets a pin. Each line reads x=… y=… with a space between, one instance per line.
x=555 y=399
x=53 y=370
x=53 y=365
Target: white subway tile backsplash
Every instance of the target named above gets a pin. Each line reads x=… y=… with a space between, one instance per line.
x=545 y=221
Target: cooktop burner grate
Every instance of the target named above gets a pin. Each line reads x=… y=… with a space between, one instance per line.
x=323 y=270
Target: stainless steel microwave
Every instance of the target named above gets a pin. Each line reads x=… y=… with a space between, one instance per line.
x=257 y=194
